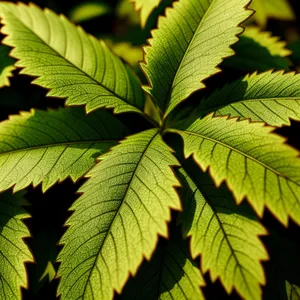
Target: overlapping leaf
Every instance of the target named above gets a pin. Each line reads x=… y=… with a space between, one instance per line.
x=254 y=162
x=45 y=147
x=6 y=66
x=145 y=7
x=226 y=235
x=188 y=45
x=270 y=97
x=278 y=9
x=258 y=51
x=124 y=206
x=171 y=274
x=73 y=64
x=13 y=250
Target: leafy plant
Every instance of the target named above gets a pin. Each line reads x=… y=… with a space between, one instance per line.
x=200 y=161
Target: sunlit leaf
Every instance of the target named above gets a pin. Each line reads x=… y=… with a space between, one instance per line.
x=13 y=250
x=68 y=61
x=188 y=45
x=6 y=66
x=46 y=147
x=145 y=7
x=125 y=205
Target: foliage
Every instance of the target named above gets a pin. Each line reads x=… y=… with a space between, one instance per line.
x=175 y=168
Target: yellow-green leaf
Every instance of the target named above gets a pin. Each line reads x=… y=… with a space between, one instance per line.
x=6 y=66
x=124 y=207
x=254 y=162
x=188 y=45
x=145 y=7
x=293 y=291
x=68 y=61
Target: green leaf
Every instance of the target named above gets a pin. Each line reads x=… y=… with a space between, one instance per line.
x=125 y=205
x=265 y=9
x=87 y=11
x=254 y=162
x=46 y=147
x=258 y=51
x=69 y=62
x=6 y=66
x=13 y=250
x=226 y=235
x=145 y=7
x=293 y=291
x=188 y=45
x=171 y=274
x=270 y=97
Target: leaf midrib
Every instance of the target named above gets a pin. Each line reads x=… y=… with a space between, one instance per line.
x=118 y=210
x=71 y=63
x=57 y=145
x=185 y=53
x=238 y=151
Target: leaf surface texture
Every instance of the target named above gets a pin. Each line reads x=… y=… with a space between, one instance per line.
x=253 y=161
x=13 y=250
x=226 y=235
x=125 y=205
x=188 y=45
x=68 y=61
x=273 y=98
x=40 y=146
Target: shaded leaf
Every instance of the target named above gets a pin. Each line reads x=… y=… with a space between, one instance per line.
x=13 y=250
x=293 y=291
x=258 y=51
x=226 y=235
x=171 y=274
x=125 y=205
x=273 y=98
x=188 y=45
x=69 y=62
x=265 y=9
x=145 y=7
x=254 y=162
x=6 y=66
x=46 y=147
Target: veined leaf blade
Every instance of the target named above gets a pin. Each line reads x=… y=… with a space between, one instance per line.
x=125 y=205
x=188 y=45
x=13 y=250
x=46 y=147
x=270 y=97
x=254 y=162
x=224 y=234
x=170 y=274
x=68 y=61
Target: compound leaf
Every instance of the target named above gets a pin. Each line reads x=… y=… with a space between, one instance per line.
x=69 y=62
x=293 y=291
x=171 y=274
x=13 y=250
x=188 y=45
x=125 y=205
x=44 y=147
x=145 y=7
x=254 y=162
x=226 y=235
x=273 y=98
x=265 y=9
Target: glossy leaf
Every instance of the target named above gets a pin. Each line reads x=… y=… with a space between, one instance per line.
x=125 y=205
x=6 y=66
x=188 y=45
x=258 y=51
x=226 y=235
x=13 y=250
x=265 y=9
x=145 y=7
x=254 y=162
x=273 y=98
x=46 y=147
x=171 y=274
x=68 y=61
